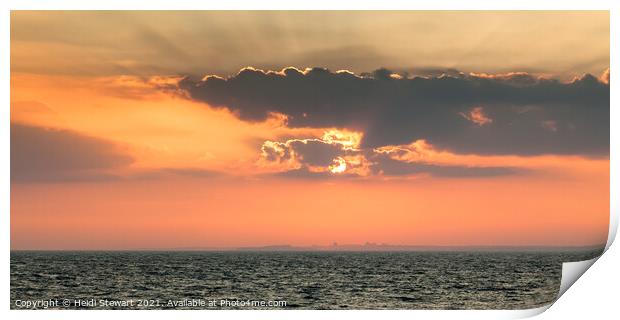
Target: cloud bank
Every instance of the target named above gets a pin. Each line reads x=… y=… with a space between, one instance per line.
x=343 y=157
x=514 y=113
x=49 y=155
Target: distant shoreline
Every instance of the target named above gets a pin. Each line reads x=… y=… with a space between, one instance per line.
x=341 y=248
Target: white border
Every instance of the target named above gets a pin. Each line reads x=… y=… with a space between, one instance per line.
x=7 y=5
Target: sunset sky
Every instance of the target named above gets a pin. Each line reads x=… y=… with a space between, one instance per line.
x=137 y=130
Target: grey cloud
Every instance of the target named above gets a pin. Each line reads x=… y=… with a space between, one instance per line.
x=394 y=168
x=304 y=173
x=39 y=154
x=391 y=167
x=398 y=111
x=317 y=153
x=305 y=152
x=312 y=154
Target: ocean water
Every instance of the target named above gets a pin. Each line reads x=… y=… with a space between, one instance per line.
x=304 y=280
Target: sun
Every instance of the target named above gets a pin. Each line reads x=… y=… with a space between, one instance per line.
x=339 y=166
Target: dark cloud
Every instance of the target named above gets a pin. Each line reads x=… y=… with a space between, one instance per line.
x=391 y=109
x=304 y=173
x=314 y=159
x=391 y=167
x=39 y=154
x=432 y=72
x=316 y=152
x=387 y=167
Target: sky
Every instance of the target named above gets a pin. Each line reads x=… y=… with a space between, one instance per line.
x=155 y=130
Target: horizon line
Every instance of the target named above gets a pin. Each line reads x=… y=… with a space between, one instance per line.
x=336 y=248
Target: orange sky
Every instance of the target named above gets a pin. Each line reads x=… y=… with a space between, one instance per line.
x=197 y=178
x=563 y=202
x=194 y=212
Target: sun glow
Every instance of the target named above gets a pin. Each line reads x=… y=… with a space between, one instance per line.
x=339 y=166
x=350 y=140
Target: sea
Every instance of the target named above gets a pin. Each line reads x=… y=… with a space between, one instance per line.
x=288 y=280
